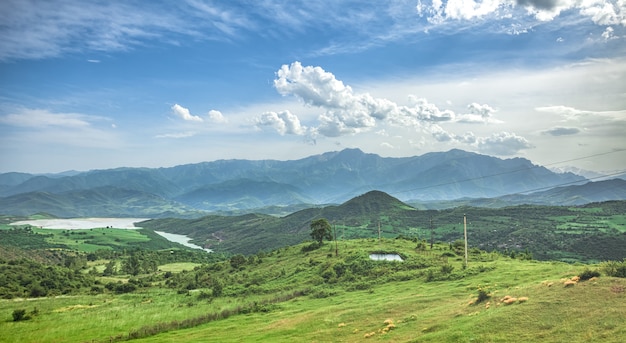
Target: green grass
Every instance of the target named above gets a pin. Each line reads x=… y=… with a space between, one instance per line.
x=258 y=308
x=89 y=240
x=436 y=312
x=178 y=267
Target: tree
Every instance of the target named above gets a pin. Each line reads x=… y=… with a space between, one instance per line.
x=237 y=261
x=132 y=265
x=320 y=230
x=110 y=268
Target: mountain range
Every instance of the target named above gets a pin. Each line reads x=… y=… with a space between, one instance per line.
x=330 y=178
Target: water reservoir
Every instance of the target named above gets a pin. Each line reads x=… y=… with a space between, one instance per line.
x=385 y=257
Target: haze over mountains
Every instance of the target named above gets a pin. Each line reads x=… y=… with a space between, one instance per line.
x=333 y=177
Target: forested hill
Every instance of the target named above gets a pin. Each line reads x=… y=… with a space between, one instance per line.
x=593 y=232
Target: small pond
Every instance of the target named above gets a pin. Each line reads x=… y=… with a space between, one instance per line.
x=385 y=257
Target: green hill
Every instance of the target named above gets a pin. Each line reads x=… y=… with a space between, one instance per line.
x=589 y=233
x=302 y=295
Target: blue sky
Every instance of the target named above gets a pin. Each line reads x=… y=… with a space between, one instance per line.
x=104 y=84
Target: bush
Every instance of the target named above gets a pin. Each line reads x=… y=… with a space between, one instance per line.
x=446 y=269
x=614 y=268
x=483 y=295
x=310 y=247
x=588 y=274
x=20 y=314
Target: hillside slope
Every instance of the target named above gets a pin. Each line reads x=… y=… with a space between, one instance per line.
x=594 y=232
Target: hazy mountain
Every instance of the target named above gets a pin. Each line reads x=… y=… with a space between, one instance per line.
x=589 y=192
x=591 y=175
x=333 y=177
x=243 y=194
x=96 y=202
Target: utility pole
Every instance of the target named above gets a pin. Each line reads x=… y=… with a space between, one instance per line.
x=379 y=231
x=465 y=232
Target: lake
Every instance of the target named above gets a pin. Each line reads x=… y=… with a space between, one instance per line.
x=83 y=223
x=94 y=223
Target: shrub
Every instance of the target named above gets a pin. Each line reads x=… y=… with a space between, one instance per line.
x=614 y=268
x=19 y=314
x=447 y=269
x=588 y=274
x=483 y=295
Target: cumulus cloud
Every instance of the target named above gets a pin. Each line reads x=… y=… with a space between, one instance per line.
x=345 y=112
x=284 y=122
x=601 y=12
x=608 y=34
x=184 y=113
x=502 y=144
x=478 y=114
x=217 y=117
x=469 y=9
x=561 y=131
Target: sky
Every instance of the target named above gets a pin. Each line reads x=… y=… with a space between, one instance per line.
x=104 y=84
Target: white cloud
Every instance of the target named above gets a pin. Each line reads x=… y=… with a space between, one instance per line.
x=38 y=118
x=601 y=12
x=46 y=128
x=284 y=122
x=502 y=144
x=470 y=9
x=604 y=12
x=573 y=114
x=185 y=134
x=608 y=34
x=34 y=29
x=217 y=117
x=345 y=112
x=478 y=114
x=561 y=131
x=184 y=113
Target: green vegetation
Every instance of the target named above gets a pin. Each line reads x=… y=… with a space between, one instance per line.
x=106 y=285
x=590 y=234
x=320 y=230
x=290 y=294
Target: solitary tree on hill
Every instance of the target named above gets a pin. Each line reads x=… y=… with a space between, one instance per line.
x=320 y=230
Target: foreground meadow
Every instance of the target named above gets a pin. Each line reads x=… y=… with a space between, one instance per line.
x=305 y=294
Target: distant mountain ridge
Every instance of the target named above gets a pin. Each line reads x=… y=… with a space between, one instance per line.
x=232 y=185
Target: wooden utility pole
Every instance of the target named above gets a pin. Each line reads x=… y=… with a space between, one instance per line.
x=465 y=232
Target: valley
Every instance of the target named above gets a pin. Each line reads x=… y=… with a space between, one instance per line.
x=81 y=261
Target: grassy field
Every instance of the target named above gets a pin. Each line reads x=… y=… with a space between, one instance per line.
x=89 y=240
x=295 y=294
